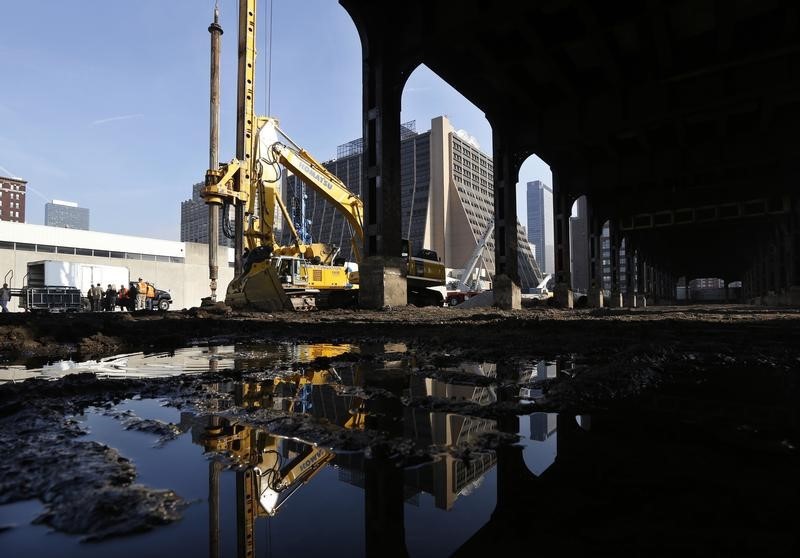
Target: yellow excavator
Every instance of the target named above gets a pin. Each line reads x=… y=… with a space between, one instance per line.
x=269 y=276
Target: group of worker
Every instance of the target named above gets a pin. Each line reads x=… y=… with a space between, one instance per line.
x=107 y=300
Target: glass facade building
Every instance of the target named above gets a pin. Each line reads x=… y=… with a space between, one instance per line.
x=67 y=215
x=194 y=220
x=540 y=224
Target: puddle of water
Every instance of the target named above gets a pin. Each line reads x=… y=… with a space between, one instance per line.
x=190 y=360
x=296 y=484
x=308 y=500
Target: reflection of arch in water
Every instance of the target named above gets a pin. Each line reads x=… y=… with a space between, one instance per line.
x=539 y=432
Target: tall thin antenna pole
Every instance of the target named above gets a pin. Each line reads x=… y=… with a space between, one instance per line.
x=269 y=58
x=213 y=151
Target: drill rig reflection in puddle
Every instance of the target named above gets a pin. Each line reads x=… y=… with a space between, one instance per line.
x=432 y=458
x=271 y=467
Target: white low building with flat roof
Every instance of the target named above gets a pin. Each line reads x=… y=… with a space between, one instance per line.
x=178 y=267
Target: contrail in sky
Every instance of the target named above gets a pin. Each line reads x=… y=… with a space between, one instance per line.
x=115 y=118
x=38 y=193
x=10 y=174
x=7 y=172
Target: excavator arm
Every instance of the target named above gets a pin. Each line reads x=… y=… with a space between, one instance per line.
x=276 y=483
x=315 y=175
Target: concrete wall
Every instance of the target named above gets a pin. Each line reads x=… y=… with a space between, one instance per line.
x=187 y=282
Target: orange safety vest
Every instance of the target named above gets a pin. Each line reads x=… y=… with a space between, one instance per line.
x=151 y=291
x=141 y=287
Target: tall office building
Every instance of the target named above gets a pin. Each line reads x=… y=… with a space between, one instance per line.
x=605 y=240
x=65 y=214
x=540 y=224
x=579 y=246
x=12 y=199
x=194 y=220
x=447 y=198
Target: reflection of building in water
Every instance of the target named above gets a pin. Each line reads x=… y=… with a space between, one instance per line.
x=329 y=394
x=464 y=391
x=542 y=370
x=543 y=425
x=447 y=477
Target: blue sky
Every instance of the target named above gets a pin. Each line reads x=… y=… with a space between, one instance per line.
x=106 y=103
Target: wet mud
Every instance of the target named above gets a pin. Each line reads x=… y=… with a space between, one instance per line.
x=726 y=375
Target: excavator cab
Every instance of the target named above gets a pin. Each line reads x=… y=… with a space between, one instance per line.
x=287 y=269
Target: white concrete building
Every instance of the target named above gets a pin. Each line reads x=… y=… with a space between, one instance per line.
x=178 y=267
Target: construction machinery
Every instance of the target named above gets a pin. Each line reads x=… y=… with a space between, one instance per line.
x=469 y=284
x=267 y=275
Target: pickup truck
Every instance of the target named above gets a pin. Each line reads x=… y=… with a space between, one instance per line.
x=160 y=301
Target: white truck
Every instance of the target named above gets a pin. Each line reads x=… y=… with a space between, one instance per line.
x=58 y=286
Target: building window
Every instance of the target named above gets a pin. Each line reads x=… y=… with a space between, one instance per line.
x=65 y=250
x=26 y=247
x=101 y=253
x=83 y=251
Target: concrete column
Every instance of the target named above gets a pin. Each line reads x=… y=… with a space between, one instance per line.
x=382 y=273
x=793 y=254
x=507 y=161
x=763 y=265
x=654 y=286
x=786 y=255
x=562 y=213
x=781 y=287
x=384 y=515
x=758 y=273
x=641 y=280
x=630 y=274
x=615 y=241
x=595 y=230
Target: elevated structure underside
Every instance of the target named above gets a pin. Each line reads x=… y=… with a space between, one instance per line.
x=678 y=120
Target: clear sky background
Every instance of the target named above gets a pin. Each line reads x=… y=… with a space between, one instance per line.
x=105 y=103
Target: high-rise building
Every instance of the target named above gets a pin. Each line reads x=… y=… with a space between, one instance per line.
x=579 y=246
x=540 y=224
x=622 y=268
x=65 y=214
x=194 y=220
x=447 y=198
x=12 y=199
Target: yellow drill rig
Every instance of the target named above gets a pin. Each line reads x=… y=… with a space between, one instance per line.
x=269 y=276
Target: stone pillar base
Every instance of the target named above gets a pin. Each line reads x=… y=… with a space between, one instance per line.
x=642 y=300
x=594 y=298
x=631 y=300
x=507 y=294
x=563 y=296
x=615 y=300
x=382 y=283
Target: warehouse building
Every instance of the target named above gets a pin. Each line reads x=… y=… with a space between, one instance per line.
x=178 y=267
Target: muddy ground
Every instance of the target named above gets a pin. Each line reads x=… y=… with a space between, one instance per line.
x=490 y=333
x=729 y=371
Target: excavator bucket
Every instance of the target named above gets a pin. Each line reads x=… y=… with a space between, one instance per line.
x=258 y=289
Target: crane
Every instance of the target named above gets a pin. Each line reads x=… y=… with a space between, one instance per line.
x=465 y=282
